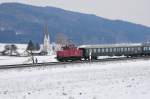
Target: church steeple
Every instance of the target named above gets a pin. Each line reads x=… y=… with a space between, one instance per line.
x=46 y=45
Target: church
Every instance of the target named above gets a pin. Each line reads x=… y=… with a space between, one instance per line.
x=47 y=50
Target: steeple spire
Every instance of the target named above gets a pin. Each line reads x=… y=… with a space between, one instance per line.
x=46 y=30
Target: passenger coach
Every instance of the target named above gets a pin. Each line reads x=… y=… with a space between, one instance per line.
x=111 y=50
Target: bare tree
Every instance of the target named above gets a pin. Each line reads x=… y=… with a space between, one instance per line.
x=61 y=39
x=10 y=49
x=13 y=48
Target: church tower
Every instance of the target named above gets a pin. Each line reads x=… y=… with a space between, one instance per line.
x=46 y=43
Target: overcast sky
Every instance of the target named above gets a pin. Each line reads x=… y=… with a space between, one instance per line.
x=136 y=11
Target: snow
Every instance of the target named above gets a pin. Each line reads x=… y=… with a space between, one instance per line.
x=21 y=47
x=12 y=60
x=108 y=80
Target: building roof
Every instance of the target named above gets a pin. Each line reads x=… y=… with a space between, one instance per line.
x=110 y=45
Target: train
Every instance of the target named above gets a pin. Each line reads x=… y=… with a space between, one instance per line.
x=92 y=52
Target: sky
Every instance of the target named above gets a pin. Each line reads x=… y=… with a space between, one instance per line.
x=136 y=11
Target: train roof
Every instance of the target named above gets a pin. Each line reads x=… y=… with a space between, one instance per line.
x=110 y=45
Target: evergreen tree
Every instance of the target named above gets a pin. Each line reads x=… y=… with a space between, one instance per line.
x=37 y=46
x=30 y=46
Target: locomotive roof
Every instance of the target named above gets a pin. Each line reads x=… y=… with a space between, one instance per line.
x=110 y=45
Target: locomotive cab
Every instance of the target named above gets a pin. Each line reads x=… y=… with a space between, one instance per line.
x=69 y=53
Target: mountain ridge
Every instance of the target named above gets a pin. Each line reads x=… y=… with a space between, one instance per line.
x=20 y=23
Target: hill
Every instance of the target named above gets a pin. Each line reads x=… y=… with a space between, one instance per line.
x=19 y=23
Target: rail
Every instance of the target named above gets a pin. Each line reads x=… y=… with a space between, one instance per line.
x=74 y=62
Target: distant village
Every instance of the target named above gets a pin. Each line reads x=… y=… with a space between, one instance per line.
x=47 y=48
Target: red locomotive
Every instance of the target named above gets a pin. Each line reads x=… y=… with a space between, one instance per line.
x=69 y=53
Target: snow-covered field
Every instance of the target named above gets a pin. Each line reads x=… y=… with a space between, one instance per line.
x=9 y=60
x=112 y=80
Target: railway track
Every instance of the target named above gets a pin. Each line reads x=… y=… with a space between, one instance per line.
x=71 y=63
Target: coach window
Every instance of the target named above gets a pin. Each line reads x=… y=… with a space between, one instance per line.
x=103 y=50
x=145 y=48
x=132 y=49
x=121 y=49
x=110 y=49
x=149 y=48
x=98 y=50
x=117 y=49
x=87 y=50
x=114 y=49
x=90 y=50
x=94 y=50
x=106 y=49
x=128 y=49
x=125 y=49
x=139 y=49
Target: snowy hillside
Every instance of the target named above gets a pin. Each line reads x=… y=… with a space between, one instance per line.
x=110 y=80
